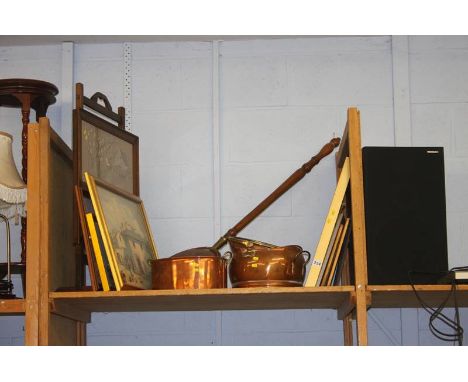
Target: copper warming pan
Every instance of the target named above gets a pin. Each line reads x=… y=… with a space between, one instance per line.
x=204 y=267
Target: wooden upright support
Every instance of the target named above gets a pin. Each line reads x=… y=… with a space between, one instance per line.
x=351 y=147
x=51 y=261
x=34 y=235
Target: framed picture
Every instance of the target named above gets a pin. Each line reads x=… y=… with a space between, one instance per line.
x=101 y=146
x=127 y=237
x=98 y=265
x=105 y=151
x=83 y=207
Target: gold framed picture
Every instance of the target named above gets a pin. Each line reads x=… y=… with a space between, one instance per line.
x=126 y=234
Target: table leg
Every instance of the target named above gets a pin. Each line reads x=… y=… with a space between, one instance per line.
x=25 y=111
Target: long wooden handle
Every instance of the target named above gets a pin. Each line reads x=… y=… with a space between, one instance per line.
x=285 y=186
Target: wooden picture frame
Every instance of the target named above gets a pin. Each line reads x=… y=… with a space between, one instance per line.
x=88 y=247
x=92 y=243
x=126 y=234
x=101 y=146
x=96 y=111
x=106 y=152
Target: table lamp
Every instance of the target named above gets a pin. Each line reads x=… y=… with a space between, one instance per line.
x=13 y=195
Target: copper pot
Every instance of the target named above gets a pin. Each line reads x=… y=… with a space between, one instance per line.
x=187 y=270
x=257 y=264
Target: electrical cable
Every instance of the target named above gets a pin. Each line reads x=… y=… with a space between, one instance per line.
x=436 y=313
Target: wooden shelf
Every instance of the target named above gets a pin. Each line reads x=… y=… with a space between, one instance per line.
x=203 y=299
x=403 y=296
x=12 y=307
x=53 y=263
x=53 y=260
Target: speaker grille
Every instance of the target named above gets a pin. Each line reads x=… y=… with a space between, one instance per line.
x=404 y=194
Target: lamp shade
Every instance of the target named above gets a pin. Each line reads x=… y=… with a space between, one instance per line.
x=13 y=192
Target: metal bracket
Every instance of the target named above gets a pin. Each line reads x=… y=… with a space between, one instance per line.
x=127 y=83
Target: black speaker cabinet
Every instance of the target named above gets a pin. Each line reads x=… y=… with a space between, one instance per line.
x=406 y=229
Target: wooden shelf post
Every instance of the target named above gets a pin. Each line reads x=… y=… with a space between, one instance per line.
x=358 y=221
x=51 y=259
x=351 y=147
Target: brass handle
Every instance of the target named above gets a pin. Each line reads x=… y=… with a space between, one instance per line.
x=220 y=243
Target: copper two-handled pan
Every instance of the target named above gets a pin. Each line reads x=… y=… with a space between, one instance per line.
x=257 y=264
x=204 y=267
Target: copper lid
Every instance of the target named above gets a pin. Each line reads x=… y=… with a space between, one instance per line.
x=197 y=252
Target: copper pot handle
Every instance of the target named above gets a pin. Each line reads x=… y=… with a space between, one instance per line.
x=307 y=253
x=227 y=256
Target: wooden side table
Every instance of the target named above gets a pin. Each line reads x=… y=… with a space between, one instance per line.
x=26 y=94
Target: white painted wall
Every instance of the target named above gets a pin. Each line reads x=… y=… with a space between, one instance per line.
x=280 y=101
